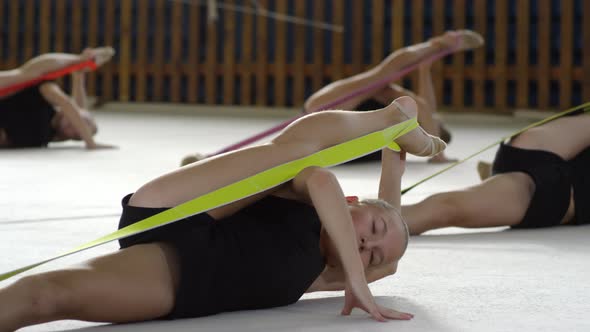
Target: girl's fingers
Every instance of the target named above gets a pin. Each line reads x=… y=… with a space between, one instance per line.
x=348 y=303
x=393 y=314
x=346 y=311
x=377 y=315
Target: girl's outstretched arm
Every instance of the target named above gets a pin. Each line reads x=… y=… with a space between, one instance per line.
x=324 y=191
x=392 y=168
x=55 y=96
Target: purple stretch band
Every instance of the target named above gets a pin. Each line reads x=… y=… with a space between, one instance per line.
x=374 y=86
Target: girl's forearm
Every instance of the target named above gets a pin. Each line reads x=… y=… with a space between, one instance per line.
x=392 y=169
x=53 y=93
x=71 y=111
x=331 y=207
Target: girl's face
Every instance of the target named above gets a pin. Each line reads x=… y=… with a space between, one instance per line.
x=380 y=236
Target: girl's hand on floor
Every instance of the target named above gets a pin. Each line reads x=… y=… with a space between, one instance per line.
x=97 y=146
x=357 y=296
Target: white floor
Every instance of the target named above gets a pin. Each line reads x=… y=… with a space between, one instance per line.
x=52 y=200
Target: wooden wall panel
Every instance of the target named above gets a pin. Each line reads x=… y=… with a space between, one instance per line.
x=522 y=53
x=318 y=48
x=544 y=49
x=501 y=54
x=280 y=62
x=193 y=64
x=229 y=64
x=13 y=41
x=262 y=57
x=337 y=67
x=92 y=39
x=378 y=31
x=566 y=56
x=108 y=71
x=417 y=34
x=247 y=59
x=176 y=61
x=168 y=45
x=458 y=94
x=298 y=57
x=125 y=50
x=157 y=63
x=479 y=57
x=30 y=23
x=438 y=28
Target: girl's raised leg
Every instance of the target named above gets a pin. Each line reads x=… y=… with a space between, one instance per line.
x=49 y=62
x=305 y=136
x=398 y=60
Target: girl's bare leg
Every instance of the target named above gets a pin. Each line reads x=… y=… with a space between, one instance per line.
x=50 y=62
x=132 y=284
x=454 y=40
x=501 y=200
x=307 y=135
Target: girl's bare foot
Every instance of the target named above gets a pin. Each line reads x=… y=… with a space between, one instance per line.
x=191 y=158
x=417 y=142
x=484 y=170
x=458 y=40
x=441 y=159
x=101 y=55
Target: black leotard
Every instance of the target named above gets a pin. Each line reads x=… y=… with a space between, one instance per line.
x=26 y=118
x=554 y=179
x=266 y=255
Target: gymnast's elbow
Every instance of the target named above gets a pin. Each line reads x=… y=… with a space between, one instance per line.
x=321 y=179
x=312 y=178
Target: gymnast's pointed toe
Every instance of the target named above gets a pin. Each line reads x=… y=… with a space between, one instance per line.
x=468 y=39
x=417 y=142
x=101 y=55
x=191 y=158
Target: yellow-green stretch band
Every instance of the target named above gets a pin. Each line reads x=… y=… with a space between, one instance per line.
x=585 y=107
x=267 y=179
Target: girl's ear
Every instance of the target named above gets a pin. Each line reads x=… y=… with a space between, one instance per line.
x=352 y=199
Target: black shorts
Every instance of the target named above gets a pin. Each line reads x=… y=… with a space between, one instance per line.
x=554 y=179
x=189 y=237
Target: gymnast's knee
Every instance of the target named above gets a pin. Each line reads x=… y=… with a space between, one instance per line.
x=45 y=298
x=149 y=195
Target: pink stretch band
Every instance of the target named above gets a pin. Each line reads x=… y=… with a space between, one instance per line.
x=374 y=86
x=48 y=77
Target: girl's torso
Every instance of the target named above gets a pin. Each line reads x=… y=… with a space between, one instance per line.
x=26 y=119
